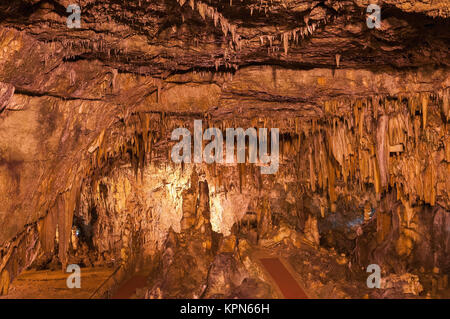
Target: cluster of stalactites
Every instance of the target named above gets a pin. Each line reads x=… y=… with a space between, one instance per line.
x=286 y=38
x=362 y=147
x=73 y=48
x=416 y=102
x=398 y=142
x=210 y=12
x=57 y=224
x=388 y=142
x=291 y=37
x=133 y=141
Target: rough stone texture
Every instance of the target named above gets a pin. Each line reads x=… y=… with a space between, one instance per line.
x=86 y=116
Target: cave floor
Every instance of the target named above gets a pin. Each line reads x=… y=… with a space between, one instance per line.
x=314 y=273
x=325 y=274
x=50 y=284
x=319 y=272
x=283 y=278
x=131 y=287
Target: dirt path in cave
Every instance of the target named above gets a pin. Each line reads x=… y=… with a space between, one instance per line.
x=287 y=284
x=129 y=287
x=52 y=284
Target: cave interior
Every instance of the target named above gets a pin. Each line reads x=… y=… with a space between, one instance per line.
x=89 y=116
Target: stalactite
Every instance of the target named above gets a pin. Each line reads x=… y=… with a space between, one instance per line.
x=338 y=60
x=429 y=184
x=312 y=179
x=285 y=43
x=416 y=131
x=424 y=109
x=375 y=171
x=5 y=280
x=101 y=148
x=201 y=7
x=322 y=211
x=141 y=156
x=241 y=167
x=382 y=150
x=331 y=183
x=63 y=230
x=47 y=230
x=445 y=105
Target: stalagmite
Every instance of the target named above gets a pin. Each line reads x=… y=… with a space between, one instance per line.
x=312 y=230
